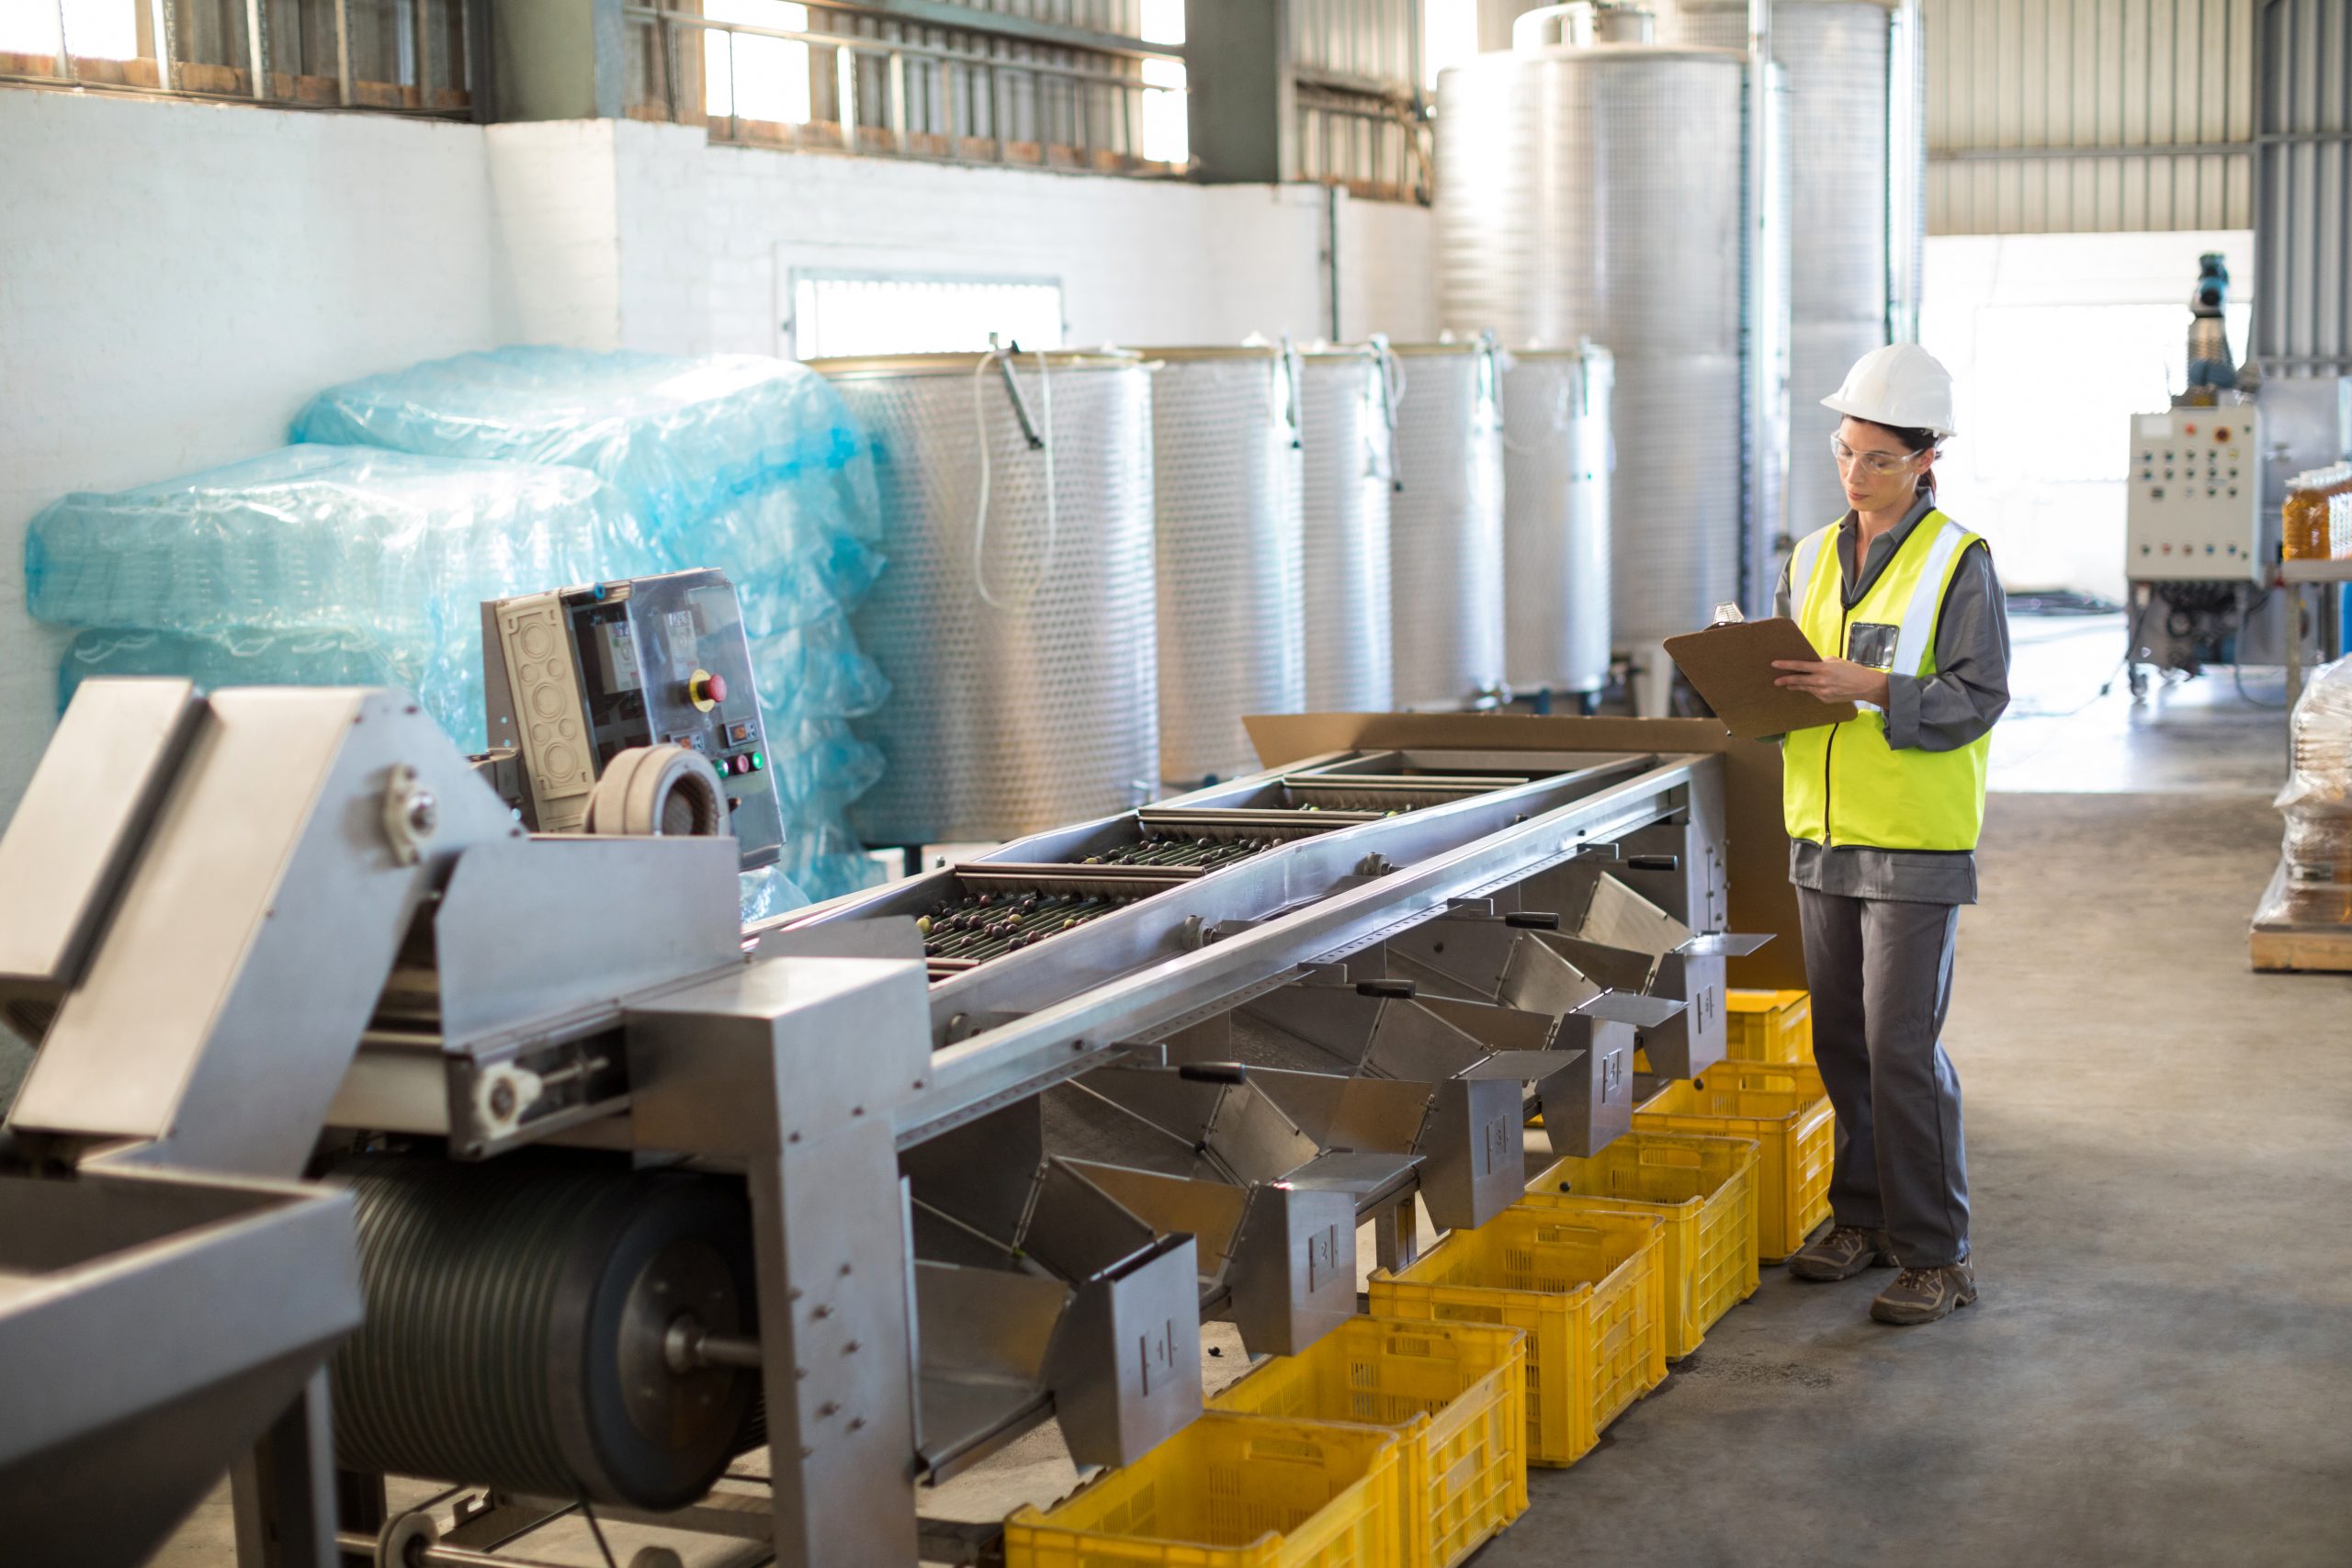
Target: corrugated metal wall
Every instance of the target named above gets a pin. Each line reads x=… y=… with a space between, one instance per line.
x=2078 y=115
x=2302 y=223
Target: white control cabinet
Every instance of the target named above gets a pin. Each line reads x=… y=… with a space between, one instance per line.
x=2195 y=488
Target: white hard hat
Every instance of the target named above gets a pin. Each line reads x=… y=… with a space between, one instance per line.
x=1902 y=385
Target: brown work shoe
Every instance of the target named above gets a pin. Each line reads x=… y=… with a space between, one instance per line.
x=1923 y=1295
x=1844 y=1252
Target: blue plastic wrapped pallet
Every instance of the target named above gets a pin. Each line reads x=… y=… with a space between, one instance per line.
x=744 y=463
x=317 y=565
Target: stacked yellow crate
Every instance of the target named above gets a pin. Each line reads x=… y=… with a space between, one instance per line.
x=1454 y=1394
x=1587 y=1289
x=1773 y=1027
x=1785 y=1112
x=1703 y=1189
x=1231 y=1491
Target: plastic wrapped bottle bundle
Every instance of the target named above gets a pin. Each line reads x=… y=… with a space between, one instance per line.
x=319 y=565
x=2317 y=804
x=742 y=462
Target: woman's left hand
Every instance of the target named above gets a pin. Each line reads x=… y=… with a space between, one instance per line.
x=1834 y=680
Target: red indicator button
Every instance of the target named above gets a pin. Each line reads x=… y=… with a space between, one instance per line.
x=706 y=688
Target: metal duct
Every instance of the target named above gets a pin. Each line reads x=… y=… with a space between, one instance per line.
x=1835 y=57
x=1016 y=620
x=1555 y=519
x=1627 y=230
x=1445 y=527
x=1346 y=410
x=1232 y=605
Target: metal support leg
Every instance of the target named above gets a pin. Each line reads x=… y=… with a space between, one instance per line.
x=1653 y=681
x=1396 y=1234
x=284 y=1490
x=834 y=1330
x=2293 y=593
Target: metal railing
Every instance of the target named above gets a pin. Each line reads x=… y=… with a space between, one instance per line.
x=417 y=57
x=986 y=92
x=1374 y=140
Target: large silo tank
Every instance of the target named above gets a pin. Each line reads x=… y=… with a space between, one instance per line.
x=1629 y=231
x=1347 y=411
x=1015 y=618
x=1445 y=527
x=1555 y=520
x=1232 y=605
x=1835 y=55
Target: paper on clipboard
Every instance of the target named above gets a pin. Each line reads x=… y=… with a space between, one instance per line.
x=1731 y=666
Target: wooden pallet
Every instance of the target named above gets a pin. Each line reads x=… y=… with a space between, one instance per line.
x=2281 y=946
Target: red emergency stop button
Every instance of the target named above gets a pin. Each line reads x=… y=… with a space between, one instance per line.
x=704 y=690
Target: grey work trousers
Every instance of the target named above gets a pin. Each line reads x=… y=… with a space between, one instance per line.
x=1881 y=973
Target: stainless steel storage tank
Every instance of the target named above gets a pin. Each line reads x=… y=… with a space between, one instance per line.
x=1629 y=231
x=1556 y=520
x=1232 y=600
x=1346 y=413
x=1445 y=526
x=1836 y=56
x=1015 y=619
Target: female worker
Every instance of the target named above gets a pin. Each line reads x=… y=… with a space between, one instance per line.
x=1882 y=814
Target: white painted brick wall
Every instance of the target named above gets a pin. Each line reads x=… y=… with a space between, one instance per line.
x=176 y=278
x=1140 y=262
x=555 y=208
x=179 y=277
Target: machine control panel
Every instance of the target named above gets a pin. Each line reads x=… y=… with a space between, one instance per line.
x=2194 y=511
x=573 y=677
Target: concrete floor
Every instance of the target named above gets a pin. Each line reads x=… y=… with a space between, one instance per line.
x=2161 y=1364
x=2159 y=1367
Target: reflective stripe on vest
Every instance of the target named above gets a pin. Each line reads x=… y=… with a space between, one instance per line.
x=1843 y=783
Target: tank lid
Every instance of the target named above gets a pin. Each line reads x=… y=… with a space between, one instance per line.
x=965 y=364
x=1414 y=350
x=1216 y=351
x=1557 y=350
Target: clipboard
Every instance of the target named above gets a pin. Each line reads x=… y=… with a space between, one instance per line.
x=1731 y=666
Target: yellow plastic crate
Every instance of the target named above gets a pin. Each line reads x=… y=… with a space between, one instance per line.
x=1455 y=1393
x=1589 y=1291
x=1768 y=1026
x=1784 y=1112
x=1231 y=1491
x=1704 y=1190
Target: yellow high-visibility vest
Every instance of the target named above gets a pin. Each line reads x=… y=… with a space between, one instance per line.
x=1842 y=784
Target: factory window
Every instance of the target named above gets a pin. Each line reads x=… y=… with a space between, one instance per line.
x=1449 y=35
x=752 y=76
x=1166 y=135
x=845 y=313
x=412 y=56
x=1077 y=84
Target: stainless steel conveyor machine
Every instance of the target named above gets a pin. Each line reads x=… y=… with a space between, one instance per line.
x=411 y=1143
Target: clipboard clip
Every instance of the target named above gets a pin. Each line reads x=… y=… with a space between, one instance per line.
x=1727 y=615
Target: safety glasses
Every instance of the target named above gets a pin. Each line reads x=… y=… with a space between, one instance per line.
x=1880 y=463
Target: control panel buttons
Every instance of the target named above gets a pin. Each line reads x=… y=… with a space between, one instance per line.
x=704 y=690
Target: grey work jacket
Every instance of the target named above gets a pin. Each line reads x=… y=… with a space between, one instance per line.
x=1942 y=712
